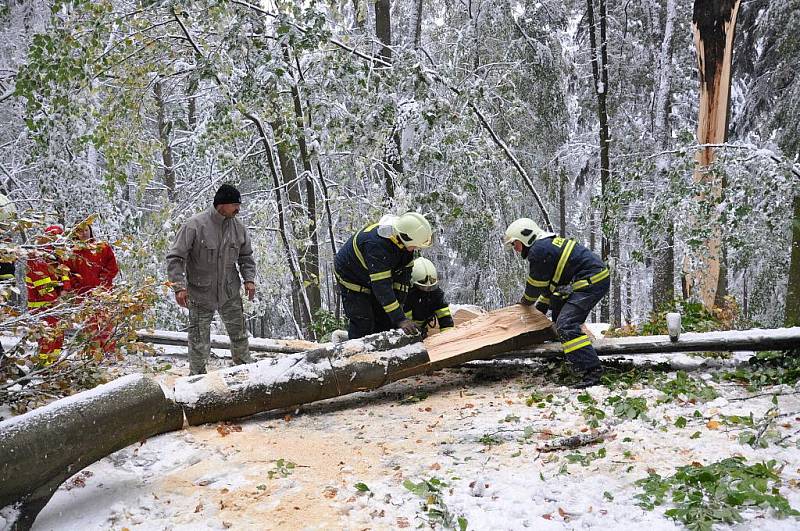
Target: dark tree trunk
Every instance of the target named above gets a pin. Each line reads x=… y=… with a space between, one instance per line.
x=793 y=293
x=164 y=128
x=392 y=156
x=599 y=58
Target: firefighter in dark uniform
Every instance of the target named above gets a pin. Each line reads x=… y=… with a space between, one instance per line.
x=568 y=279
x=425 y=303
x=373 y=269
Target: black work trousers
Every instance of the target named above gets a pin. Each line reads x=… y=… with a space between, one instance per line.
x=569 y=314
x=365 y=313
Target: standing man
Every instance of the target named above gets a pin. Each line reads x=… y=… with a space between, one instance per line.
x=201 y=266
x=374 y=269
x=570 y=279
x=425 y=303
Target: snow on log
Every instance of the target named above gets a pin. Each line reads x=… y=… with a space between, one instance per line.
x=335 y=370
x=257 y=344
x=754 y=339
x=489 y=334
x=44 y=447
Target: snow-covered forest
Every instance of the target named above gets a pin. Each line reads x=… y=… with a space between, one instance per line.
x=329 y=114
x=650 y=131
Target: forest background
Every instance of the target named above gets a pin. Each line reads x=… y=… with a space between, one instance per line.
x=475 y=112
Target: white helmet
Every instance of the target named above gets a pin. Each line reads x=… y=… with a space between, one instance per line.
x=424 y=274
x=7 y=208
x=525 y=231
x=413 y=230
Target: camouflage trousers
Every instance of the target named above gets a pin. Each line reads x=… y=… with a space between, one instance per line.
x=200 y=319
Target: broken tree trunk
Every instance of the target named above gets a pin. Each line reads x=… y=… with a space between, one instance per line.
x=755 y=339
x=355 y=365
x=489 y=334
x=44 y=447
x=257 y=344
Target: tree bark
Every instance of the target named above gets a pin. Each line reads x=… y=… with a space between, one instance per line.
x=392 y=151
x=41 y=449
x=310 y=256
x=164 y=128
x=793 y=291
x=599 y=59
x=356 y=365
x=664 y=256
x=713 y=25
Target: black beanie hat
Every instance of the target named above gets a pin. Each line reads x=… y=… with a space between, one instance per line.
x=226 y=195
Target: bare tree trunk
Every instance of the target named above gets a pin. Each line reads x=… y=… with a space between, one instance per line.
x=600 y=74
x=297 y=213
x=417 y=24
x=282 y=229
x=392 y=155
x=562 y=200
x=793 y=292
x=714 y=27
x=164 y=128
x=360 y=11
x=664 y=256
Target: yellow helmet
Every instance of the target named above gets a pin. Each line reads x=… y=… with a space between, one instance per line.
x=424 y=274
x=413 y=230
x=525 y=231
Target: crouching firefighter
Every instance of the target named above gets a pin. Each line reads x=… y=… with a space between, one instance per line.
x=425 y=303
x=373 y=269
x=567 y=278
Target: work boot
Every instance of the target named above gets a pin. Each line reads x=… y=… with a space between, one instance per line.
x=590 y=378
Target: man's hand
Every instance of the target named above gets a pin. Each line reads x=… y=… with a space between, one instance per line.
x=408 y=326
x=542 y=307
x=182 y=298
x=524 y=302
x=250 y=289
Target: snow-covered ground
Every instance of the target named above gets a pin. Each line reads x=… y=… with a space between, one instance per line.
x=470 y=428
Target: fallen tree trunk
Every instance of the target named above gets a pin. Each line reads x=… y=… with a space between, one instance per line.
x=755 y=339
x=44 y=447
x=355 y=365
x=257 y=344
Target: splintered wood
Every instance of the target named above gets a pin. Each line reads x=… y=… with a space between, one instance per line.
x=487 y=335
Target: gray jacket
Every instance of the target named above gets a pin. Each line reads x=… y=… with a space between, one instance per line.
x=204 y=255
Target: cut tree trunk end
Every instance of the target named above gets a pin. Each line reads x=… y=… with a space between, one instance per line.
x=42 y=448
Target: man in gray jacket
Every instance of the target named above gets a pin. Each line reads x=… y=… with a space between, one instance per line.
x=201 y=266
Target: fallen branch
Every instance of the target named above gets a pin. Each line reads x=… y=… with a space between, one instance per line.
x=575 y=441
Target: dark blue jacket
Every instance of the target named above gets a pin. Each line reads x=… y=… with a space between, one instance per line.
x=423 y=306
x=370 y=263
x=557 y=262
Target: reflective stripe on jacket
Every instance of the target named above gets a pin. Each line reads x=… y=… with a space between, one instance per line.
x=423 y=307
x=45 y=280
x=555 y=262
x=368 y=262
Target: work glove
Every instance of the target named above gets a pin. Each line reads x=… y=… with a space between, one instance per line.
x=408 y=326
x=524 y=302
x=542 y=307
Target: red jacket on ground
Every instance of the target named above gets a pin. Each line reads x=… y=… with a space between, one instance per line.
x=92 y=267
x=45 y=280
